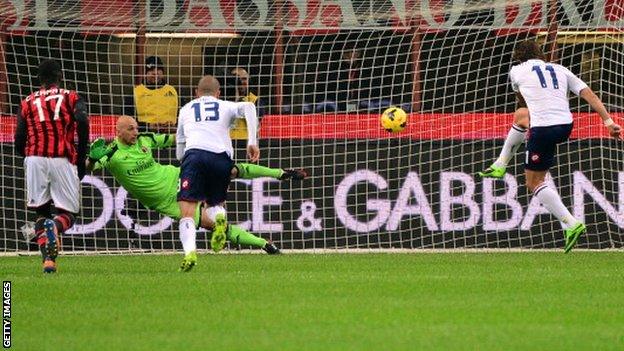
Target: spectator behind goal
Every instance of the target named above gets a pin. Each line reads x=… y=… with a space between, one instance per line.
x=242 y=93
x=155 y=103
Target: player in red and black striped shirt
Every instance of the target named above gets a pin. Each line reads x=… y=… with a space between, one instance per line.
x=47 y=122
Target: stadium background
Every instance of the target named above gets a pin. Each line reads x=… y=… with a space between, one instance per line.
x=444 y=63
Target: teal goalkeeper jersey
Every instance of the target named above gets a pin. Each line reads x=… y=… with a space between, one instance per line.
x=134 y=167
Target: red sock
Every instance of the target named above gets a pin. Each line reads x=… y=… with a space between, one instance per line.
x=41 y=238
x=63 y=222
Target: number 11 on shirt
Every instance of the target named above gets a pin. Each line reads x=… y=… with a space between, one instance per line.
x=540 y=75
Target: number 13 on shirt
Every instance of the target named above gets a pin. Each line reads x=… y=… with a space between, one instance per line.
x=206 y=111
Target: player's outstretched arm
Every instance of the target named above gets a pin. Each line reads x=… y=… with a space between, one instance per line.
x=99 y=154
x=21 y=132
x=161 y=141
x=97 y=150
x=594 y=101
x=248 y=110
x=253 y=153
x=180 y=140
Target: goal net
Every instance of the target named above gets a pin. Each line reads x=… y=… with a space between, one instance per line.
x=322 y=72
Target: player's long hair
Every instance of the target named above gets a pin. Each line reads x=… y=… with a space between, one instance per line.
x=527 y=50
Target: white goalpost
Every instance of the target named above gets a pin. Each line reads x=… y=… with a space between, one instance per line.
x=322 y=72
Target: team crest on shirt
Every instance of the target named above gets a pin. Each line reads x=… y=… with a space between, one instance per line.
x=535 y=158
x=144 y=149
x=185 y=184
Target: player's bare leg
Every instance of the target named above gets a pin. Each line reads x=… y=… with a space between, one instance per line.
x=535 y=181
x=188 y=235
x=514 y=139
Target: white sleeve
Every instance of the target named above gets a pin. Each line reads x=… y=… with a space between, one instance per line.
x=512 y=80
x=575 y=84
x=180 y=138
x=248 y=111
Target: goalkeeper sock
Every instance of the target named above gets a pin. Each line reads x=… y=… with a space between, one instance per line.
x=251 y=171
x=551 y=200
x=514 y=139
x=238 y=235
x=187 y=234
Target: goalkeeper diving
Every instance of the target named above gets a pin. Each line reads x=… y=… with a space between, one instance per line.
x=129 y=159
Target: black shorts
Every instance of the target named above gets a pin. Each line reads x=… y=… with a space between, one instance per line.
x=541 y=146
x=205 y=176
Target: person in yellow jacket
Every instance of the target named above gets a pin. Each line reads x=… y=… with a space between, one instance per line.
x=156 y=103
x=244 y=94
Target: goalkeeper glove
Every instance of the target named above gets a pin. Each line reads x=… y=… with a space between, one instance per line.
x=98 y=149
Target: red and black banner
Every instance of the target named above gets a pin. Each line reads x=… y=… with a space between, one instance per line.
x=430 y=126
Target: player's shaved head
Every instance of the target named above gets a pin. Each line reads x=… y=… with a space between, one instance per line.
x=528 y=50
x=127 y=130
x=124 y=121
x=208 y=85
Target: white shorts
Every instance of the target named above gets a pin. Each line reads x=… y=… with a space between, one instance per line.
x=53 y=179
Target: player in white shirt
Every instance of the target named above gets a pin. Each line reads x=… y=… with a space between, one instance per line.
x=205 y=148
x=543 y=87
x=204 y=124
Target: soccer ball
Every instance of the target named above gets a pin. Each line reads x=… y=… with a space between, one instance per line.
x=393 y=119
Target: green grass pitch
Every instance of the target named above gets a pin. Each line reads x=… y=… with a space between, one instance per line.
x=436 y=301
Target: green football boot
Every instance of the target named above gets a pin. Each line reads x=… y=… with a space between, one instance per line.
x=493 y=172
x=217 y=241
x=572 y=235
x=188 y=262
